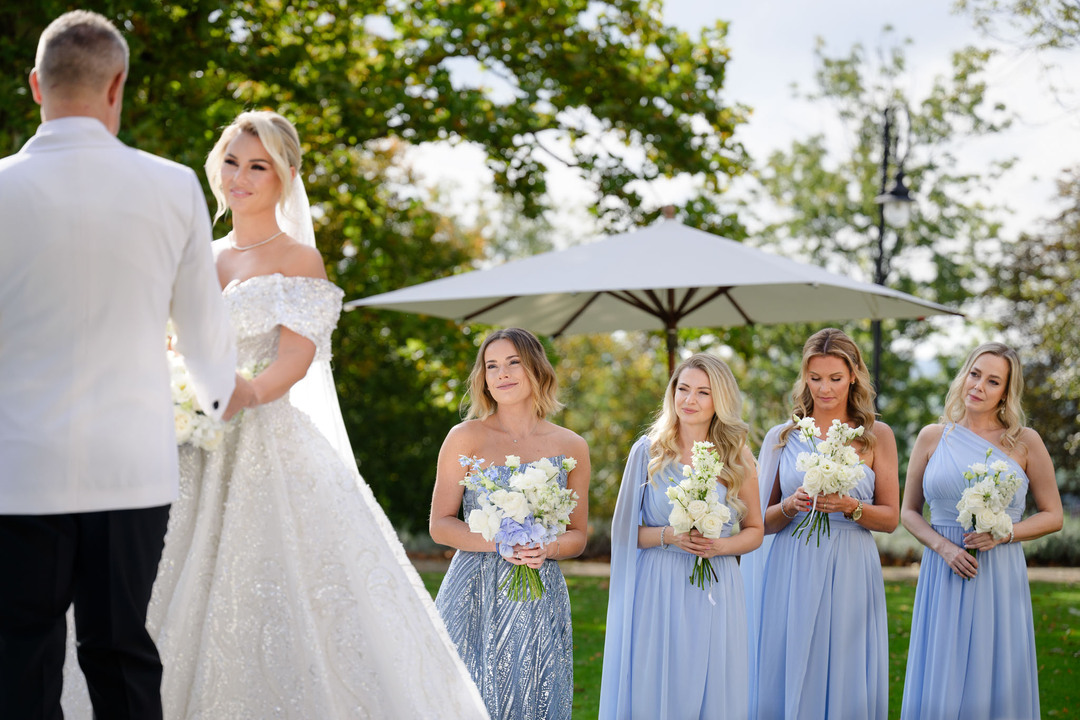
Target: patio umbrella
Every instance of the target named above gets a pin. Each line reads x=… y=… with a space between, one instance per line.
x=663 y=276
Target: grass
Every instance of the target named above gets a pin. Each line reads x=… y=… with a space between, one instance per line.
x=1057 y=640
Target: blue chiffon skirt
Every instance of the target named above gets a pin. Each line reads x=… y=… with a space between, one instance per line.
x=972 y=651
x=689 y=653
x=823 y=650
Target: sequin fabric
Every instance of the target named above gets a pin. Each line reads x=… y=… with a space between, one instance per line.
x=519 y=653
x=283 y=591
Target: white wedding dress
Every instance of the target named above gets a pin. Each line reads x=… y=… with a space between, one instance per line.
x=283 y=591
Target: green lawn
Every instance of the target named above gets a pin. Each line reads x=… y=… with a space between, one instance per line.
x=1057 y=639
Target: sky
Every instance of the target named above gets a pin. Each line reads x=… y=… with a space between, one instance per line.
x=772 y=43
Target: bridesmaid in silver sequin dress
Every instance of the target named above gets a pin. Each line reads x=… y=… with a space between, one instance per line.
x=520 y=653
x=283 y=591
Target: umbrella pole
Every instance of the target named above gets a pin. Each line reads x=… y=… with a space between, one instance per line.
x=672 y=342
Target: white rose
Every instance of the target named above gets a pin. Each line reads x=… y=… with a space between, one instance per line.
x=513 y=461
x=985 y=520
x=184 y=422
x=813 y=481
x=485 y=521
x=711 y=525
x=512 y=503
x=1002 y=527
x=679 y=520
x=697 y=509
x=545 y=467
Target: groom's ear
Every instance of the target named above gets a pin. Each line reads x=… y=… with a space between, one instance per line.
x=35 y=86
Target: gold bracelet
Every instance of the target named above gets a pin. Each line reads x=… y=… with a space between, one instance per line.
x=789 y=517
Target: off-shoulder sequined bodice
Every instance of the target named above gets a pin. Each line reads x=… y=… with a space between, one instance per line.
x=259 y=306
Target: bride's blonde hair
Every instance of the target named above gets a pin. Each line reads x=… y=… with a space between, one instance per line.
x=277 y=135
x=727 y=430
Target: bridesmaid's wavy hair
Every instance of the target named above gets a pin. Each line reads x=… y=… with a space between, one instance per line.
x=1010 y=411
x=277 y=135
x=831 y=342
x=545 y=385
x=727 y=430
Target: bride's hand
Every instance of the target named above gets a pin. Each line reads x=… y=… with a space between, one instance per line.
x=243 y=397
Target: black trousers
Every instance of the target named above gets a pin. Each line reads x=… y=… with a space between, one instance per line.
x=104 y=562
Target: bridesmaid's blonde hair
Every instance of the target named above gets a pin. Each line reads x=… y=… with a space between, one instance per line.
x=727 y=430
x=1010 y=411
x=542 y=379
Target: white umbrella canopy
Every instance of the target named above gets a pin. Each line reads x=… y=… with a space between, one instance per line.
x=664 y=276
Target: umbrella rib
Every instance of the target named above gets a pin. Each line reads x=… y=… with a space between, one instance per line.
x=684 y=311
x=584 y=306
x=631 y=299
x=492 y=306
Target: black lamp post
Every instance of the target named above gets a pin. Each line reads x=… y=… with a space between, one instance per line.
x=894 y=209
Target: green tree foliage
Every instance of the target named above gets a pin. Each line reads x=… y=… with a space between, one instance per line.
x=604 y=87
x=1041 y=24
x=825 y=201
x=1039 y=277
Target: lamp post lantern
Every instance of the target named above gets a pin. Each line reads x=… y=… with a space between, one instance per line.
x=894 y=209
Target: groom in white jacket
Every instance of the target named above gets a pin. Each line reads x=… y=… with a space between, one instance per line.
x=99 y=245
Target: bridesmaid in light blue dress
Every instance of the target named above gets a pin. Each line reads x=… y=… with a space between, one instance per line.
x=672 y=649
x=972 y=649
x=821 y=638
x=520 y=653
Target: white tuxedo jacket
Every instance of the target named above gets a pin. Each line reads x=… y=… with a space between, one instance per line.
x=99 y=245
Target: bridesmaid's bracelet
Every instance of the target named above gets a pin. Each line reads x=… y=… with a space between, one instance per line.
x=662 y=531
x=789 y=517
x=1012 y=536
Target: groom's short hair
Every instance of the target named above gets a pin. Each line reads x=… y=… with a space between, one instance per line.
x=80 y=50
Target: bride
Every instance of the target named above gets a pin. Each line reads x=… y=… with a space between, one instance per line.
x=283 y=590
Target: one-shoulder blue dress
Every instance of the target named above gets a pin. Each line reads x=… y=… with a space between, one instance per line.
x=972 y=650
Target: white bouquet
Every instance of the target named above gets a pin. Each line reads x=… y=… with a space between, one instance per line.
x=192 y=424
x=833 y=467
x=695 y=503
x=532 y=509
x=984 y=503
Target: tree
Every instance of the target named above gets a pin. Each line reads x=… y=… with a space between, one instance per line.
x=604 y=87
x=1042 y=24
x=1039 y=280
x=824 y=201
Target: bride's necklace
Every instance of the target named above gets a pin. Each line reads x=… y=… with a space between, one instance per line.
x=242 y=248
x=536 y=425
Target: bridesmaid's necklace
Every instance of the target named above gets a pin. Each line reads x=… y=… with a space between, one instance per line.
x=523 y=436
x=242 y=248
